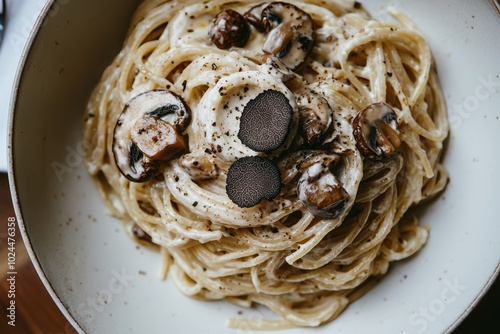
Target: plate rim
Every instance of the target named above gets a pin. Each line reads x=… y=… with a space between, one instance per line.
x=40 y=19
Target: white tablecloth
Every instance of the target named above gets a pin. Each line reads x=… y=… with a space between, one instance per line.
x=21 y=17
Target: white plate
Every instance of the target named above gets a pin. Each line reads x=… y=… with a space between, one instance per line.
x=106 y=284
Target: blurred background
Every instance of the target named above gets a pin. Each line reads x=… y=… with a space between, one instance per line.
x=35 y=310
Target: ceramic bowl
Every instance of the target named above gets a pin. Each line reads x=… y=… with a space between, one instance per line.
x=104 y=283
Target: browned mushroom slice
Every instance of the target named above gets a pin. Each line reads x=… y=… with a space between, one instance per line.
x=133 y=164
x=228 y=29
x=199 y=166
x=266 y=121
x=276 y=68
x=254 y=16
x=159 y=104
x=171 y=108
x=157 y=139
x=252 y=179
x=376 y=131
x=318 y=188
x=291 y=33
x=315 y=115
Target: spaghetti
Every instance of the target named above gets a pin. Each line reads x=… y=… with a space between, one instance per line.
x=304 y=261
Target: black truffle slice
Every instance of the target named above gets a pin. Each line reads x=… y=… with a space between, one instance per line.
x=251 y=179
x=266 y=121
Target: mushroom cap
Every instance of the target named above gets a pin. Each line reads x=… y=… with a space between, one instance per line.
x=266 y=121
x=160 y=104
x=376 y=131
x=228 y=29
x=291 y=33
x=252 y=179
x=157 y=139
x=315 y=115
x=318 y=188
x=135 y=166
x=254 y=16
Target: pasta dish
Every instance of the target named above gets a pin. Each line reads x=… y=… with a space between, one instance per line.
x=272 y=151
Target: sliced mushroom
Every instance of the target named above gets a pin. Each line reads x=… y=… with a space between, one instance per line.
x=252 y=179
x=291 y=33
x=168 y=107
x=157 y=139
x=133 y=164
x=275 y=67
x=157 y=104
x=318 y=188
x=254 y=16
x=376 y=131
x=200 y=166
x=315 y=116
x=228 y=29
x=266 y=121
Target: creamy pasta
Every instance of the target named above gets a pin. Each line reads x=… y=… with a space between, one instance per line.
x=272 y=152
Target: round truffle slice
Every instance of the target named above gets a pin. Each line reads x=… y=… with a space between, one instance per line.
x=252 y=179
x=266 y=121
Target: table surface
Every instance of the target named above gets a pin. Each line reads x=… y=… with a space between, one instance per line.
x=37 y=313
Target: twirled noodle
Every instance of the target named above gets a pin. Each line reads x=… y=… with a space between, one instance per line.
x=278 y=254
